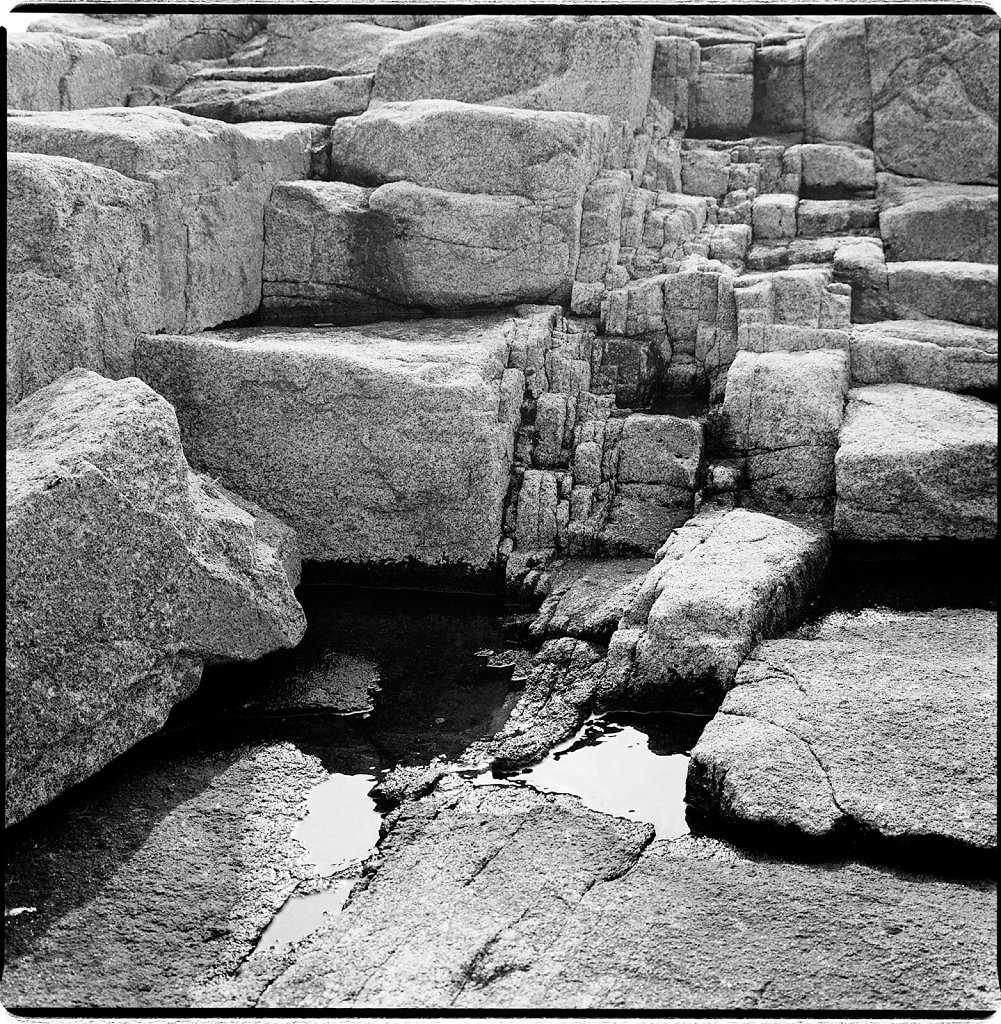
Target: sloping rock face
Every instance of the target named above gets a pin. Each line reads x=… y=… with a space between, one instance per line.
x=379 y=444
x=211 y=182
x=951 y=63
x=82 y=279
x=107 y=631
x=342 y=43
x=722 y=582
x=916 y=464
x=604 y=64
x=494 y=897
x=881 y=723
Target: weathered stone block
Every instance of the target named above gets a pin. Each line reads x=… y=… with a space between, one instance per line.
x=106 y=634
x=836 y=83
x=774 y=217
x=380 y=444
x=916 y=464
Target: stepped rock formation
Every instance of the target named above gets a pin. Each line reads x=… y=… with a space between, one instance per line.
x=642 y=321
x=125 y=573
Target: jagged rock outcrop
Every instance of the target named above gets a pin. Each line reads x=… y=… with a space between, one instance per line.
x=390 y=443
x=916 y=464
x=125 y=573
x=82 y=280
x=881 y=723
x=722 y=582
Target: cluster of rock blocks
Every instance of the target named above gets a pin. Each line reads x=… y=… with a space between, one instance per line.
x=422 y=293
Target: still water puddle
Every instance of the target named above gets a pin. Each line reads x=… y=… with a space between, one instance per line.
x=630 y=766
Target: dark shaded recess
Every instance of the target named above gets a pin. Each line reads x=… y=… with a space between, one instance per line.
x=848 y=840
x=435 y=699
x=686 y=406
x=409 y=574
x=909 y=576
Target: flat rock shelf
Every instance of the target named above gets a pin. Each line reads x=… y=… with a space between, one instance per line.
x=500 y=512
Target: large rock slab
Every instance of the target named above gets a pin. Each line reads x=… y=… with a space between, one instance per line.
x=335 y=41
x=930 y=353
x=125 y=572
x=334 y=250
x=916 y=464
x=389 y=443
x=942 y=227
x=966 y=293
x=495 y=897
x=82 y=280
x=595 y=64
x=549 y=157
x=48 y=71
x=211 y=184
x=881 y=725
x=782 y=412
x=836 y=83
x=935 y=95
x=722 y=582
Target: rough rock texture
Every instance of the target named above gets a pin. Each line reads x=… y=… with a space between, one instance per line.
x=205 y=857
x=321 y=101
x=783 y=412
x=966 y=293
x=593 y=64
x=587 y=597
x=881 y=722
x=211 y=183
x=82 y=279
x=332 y=249
x=929 y=353
x=162 y=574
x=916 y=464
x=722 y=582
x=378 y=444
x=549 y=157
x=836 y=83
x=338 y=42
x=502 y=897
x=935 y=95
x=942 y=227
x=47 y=71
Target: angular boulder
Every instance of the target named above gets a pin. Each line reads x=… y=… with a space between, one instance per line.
x=882 y=723
x=336 y=41
x=722 y=582
x=950 y=64
x=929 y=353
x=942 y=227
x=389 y=443
x=549 y=157
x=916 y=464
x=594 y=64
x=125 y=573
x=836 y=84
x=82 y=279
x=211 y=183
x=48 y=71
x=332 y=249
x=966 y=293
x=782 y=412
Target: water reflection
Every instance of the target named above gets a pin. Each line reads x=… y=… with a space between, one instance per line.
x=630 y=766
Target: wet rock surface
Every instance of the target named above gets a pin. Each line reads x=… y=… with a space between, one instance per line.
x=164 y=573
x=563 y=929
x=855 y=725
